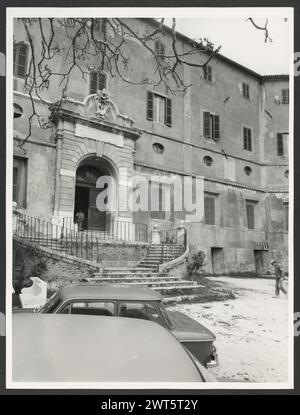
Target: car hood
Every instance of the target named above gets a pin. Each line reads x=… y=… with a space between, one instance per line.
x=186 y=328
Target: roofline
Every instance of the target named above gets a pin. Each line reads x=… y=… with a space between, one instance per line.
x=222 y=57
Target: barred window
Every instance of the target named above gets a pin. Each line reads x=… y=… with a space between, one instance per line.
x=250 y=210
x=209 y=209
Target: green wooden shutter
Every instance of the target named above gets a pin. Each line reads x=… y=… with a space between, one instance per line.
x=245 y=137
x=168 y=116
x=206 y=124
x=216 y=127
x=150 y=105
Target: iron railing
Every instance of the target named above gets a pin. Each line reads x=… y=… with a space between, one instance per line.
x=169 y=238
x=66 y=238
x=177 y=236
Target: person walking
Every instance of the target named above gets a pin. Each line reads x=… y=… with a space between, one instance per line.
x=279 y=277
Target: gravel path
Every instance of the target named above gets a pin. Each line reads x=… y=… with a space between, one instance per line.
x=251 y=331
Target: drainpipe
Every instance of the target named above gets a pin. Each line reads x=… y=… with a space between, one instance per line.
x=59 y=138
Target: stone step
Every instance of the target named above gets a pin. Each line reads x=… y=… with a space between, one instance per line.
x=153 y=285
x=152 y=274
x=125 y=269
x=144 y=280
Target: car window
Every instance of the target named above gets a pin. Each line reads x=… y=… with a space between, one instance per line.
x=96 y=308
x=51 y=304
x=142 y=310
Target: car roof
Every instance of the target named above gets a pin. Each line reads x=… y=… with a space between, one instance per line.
x=108 y=292
x=76 y=348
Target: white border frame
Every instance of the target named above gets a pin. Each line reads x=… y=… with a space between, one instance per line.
x=192 y=12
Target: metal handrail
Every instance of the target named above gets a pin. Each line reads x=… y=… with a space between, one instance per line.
x=68 y=239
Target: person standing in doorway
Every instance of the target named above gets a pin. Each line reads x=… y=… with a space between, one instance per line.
x=279 y=277
x=79 y=219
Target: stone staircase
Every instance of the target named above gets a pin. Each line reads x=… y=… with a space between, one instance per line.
x=159 y=254
x=147 y=273
x=157 y=281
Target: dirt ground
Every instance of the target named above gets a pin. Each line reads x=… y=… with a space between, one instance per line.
x=251 y=330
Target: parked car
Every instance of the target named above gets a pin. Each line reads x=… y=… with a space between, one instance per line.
x=136 y=302
x=77 y=348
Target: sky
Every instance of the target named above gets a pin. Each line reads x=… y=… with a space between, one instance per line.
x=242 y=42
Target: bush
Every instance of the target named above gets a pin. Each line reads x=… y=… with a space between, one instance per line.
x=197 y=262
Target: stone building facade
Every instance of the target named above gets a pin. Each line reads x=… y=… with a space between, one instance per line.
x=229 y=131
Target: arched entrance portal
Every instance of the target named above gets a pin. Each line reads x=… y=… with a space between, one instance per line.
x=86 y=192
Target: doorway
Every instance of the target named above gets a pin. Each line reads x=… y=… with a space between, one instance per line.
x=218 y=262
x=260 y=261
x=86 y=192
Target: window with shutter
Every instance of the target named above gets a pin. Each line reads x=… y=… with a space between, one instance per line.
x=280 y=150
x=20 y=59
x=246 y=93
x=150 y=106
x=159 y=109
x=211 y=126
x=250 y=209
x=209 y=209
x=98 y=81
x=216 y=127
x=206 y=125
x=247 y=139
x=159 y=48
x=208 y=73
x=168 y=117
x=285 y=96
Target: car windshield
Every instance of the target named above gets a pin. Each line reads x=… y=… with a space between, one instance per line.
x=164 y=312
x=51 y=304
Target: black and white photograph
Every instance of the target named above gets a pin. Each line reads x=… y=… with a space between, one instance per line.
x=149 y=198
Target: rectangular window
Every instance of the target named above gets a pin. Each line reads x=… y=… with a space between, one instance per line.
x=246 y=93
x=250 y=209
x=247 y=139
x=98 y=81
x=280 y=150
x=285 y=96
x=209 y=209
x=20 y=59
x=286 y=216
x=159 y=48
x=159 y=109
x=207 y=73
x=20 y=181
x=211 y=126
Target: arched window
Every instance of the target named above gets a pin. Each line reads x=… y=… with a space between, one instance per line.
x=18 y=111
x=248 y=170
x=286 y=174
x=208 y=160
x=158 y=148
